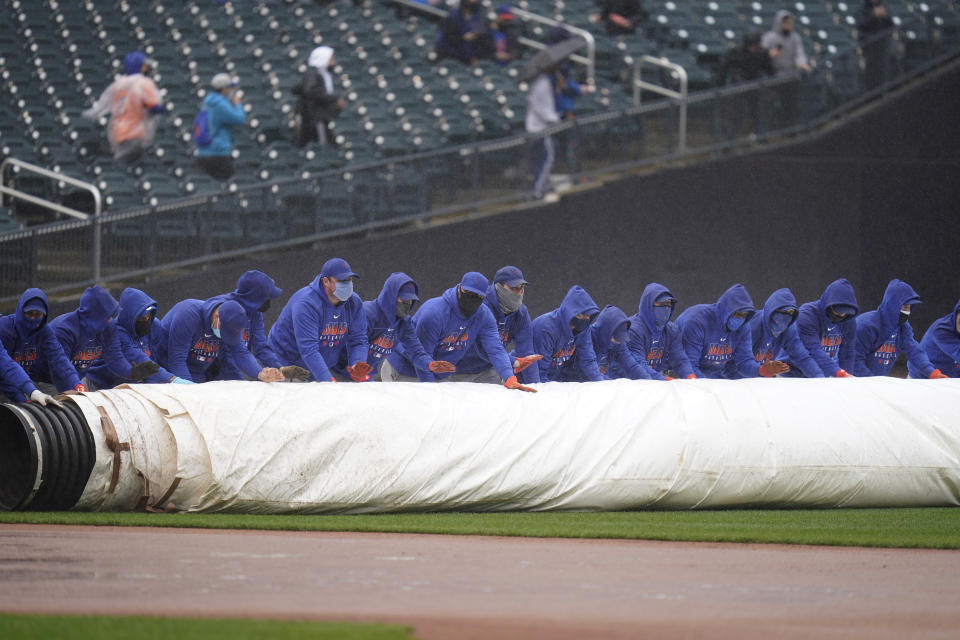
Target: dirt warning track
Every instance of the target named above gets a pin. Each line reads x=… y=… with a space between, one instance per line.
x=482 y=587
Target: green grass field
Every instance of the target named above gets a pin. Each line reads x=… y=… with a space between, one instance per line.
x=935 y=528
x=23 y=627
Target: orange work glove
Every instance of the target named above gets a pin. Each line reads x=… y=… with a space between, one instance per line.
x=511 y=383
x=936 y=373
x=360 y=371
x=771 y=368
x=80 y=388
x=442 y=366
x=668 y=377
x=519 y=364
x=692 y=376
x=843 y=374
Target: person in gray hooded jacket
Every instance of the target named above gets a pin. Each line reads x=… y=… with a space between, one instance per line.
x=785 y=45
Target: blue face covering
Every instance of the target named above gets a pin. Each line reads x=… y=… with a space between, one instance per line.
x=344 y=290
x=32 y=325
x=779 y=322
x=735 y=323
x=620 y=335
x=579 y=324
x=661 y=316
x=216 y=332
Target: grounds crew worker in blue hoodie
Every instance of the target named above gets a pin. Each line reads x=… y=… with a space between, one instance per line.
x=224 y=112
x=198 y=333
x=447 y=327
x=504 y=299
x=30 y=342
x=139 y=333
x=716 y=334
x=941 y=343
x=561 y=334
x=882 y=334
x=614 y=360
x=320 y=322
x=389 y=324
x=773 y=332
x=827 y=332
x=89 y=338
x=654 y=339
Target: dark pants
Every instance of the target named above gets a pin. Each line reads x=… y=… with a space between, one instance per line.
x=875 y=63
x=217 y=167
x=129 y=151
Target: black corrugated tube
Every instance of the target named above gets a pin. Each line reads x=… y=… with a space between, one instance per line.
x=46 y=456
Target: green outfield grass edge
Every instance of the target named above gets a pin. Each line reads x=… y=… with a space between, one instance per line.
x=31 y=626
x=933 y=528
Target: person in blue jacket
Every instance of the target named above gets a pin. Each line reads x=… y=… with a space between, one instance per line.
x=31 y=343
x=16 y=385
x=89 y=338
x=255 y=291
x=882 y=334
x=654 y=339
x=447 y=327
x=828 y=332
x=198 y=333
x=139 y=333
x=504 y=299
x=941 y=343
x=716 y=334
x=773 y=332
x=613 y=359
x=320 y=322
x=561 y=334
x=389 y=324
x=224 y=112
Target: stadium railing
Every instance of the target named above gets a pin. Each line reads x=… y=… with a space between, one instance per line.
x=465 y=179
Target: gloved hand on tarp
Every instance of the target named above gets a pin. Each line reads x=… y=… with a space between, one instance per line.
x=179 y=380
x=841 y=373
x=142 y=370
x=359 y=371
x=46 y=400
x=521 y=363
x=80 y=388
x=441 y=366
x=770 y=368
x=270 y=374
x=293 y=373
x=936 y=374
x=511 y=383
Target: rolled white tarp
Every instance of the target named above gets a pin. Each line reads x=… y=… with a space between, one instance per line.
x=252 y=447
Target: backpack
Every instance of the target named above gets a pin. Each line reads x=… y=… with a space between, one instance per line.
x=202 y=134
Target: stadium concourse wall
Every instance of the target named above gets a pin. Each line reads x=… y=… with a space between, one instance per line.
x=872 y=199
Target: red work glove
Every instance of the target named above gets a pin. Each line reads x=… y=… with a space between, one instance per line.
x=771 y=368
x=442 y=366
x=332 y=379
x=936 y=374
x=360 y=371
x=519 y=364
x=843 y=374
x=80 y=388
x=667 y=377
x=511 y=383
x=692 y=376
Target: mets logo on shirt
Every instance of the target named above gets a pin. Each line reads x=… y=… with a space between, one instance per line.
x=718 y=352
x=26 y=358
x=383 y=345
x=765 y=353
x=332 y=333
x=603 y=363
x=562 y=355
x=504 y=333
x=245 y=336
x=455 y=341
x=206 y=348
x=84 y=358
x=887 y=353
x=654 y=355
x=831 y=344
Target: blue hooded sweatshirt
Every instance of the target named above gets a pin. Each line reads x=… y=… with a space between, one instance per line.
x=312 y=332
x=188 y=345
x=448 y=335
x=555 y=341
x=614 y=360
x=832 y=346
x=660 y=348
x=14 y=381
x=766 y=346
x=222 y=116
x=941 y=343
x=881 y=337
x=254 y=289
x=385 y=330
x=513 y=327
x=136 y=349
x=88 y=335
x=708 y=342
x=35 y=349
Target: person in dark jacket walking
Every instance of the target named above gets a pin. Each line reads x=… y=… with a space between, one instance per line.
x=827 y=331
x=656 y=340
x=318 y=103
x=882 y=334
x=941 y=343
x=563 y=334
x=874 y=27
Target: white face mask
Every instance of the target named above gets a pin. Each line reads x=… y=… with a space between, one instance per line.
x=344 y=290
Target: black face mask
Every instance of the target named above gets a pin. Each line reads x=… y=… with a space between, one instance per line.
x=579 y=324
x=404 y=309
x=142 y=327
x=904 y=317
x=835 y=318
x=264 y=307
x=468 y=302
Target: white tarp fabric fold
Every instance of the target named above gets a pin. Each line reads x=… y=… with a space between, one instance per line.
x=365 y=448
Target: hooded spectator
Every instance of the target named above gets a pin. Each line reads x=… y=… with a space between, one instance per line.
x=941 y=343
x=827 y=330
x=785 y=45
x=318 y=104
x=653 y=338
x=224 y=112
x=563 y=333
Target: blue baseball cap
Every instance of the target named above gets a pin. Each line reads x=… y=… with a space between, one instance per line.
x=847 y=309
x=233 y=319
x=338 y=269
x=510 y=276
x=408 y=292
x=35 y=304
x=133 y=62
x=474 y=283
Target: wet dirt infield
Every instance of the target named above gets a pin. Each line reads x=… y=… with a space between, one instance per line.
x=483 y=587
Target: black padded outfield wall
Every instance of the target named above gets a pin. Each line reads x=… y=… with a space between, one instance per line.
x=869 y=201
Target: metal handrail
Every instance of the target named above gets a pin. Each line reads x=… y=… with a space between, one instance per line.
x=59 y=177
x=681 y=96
